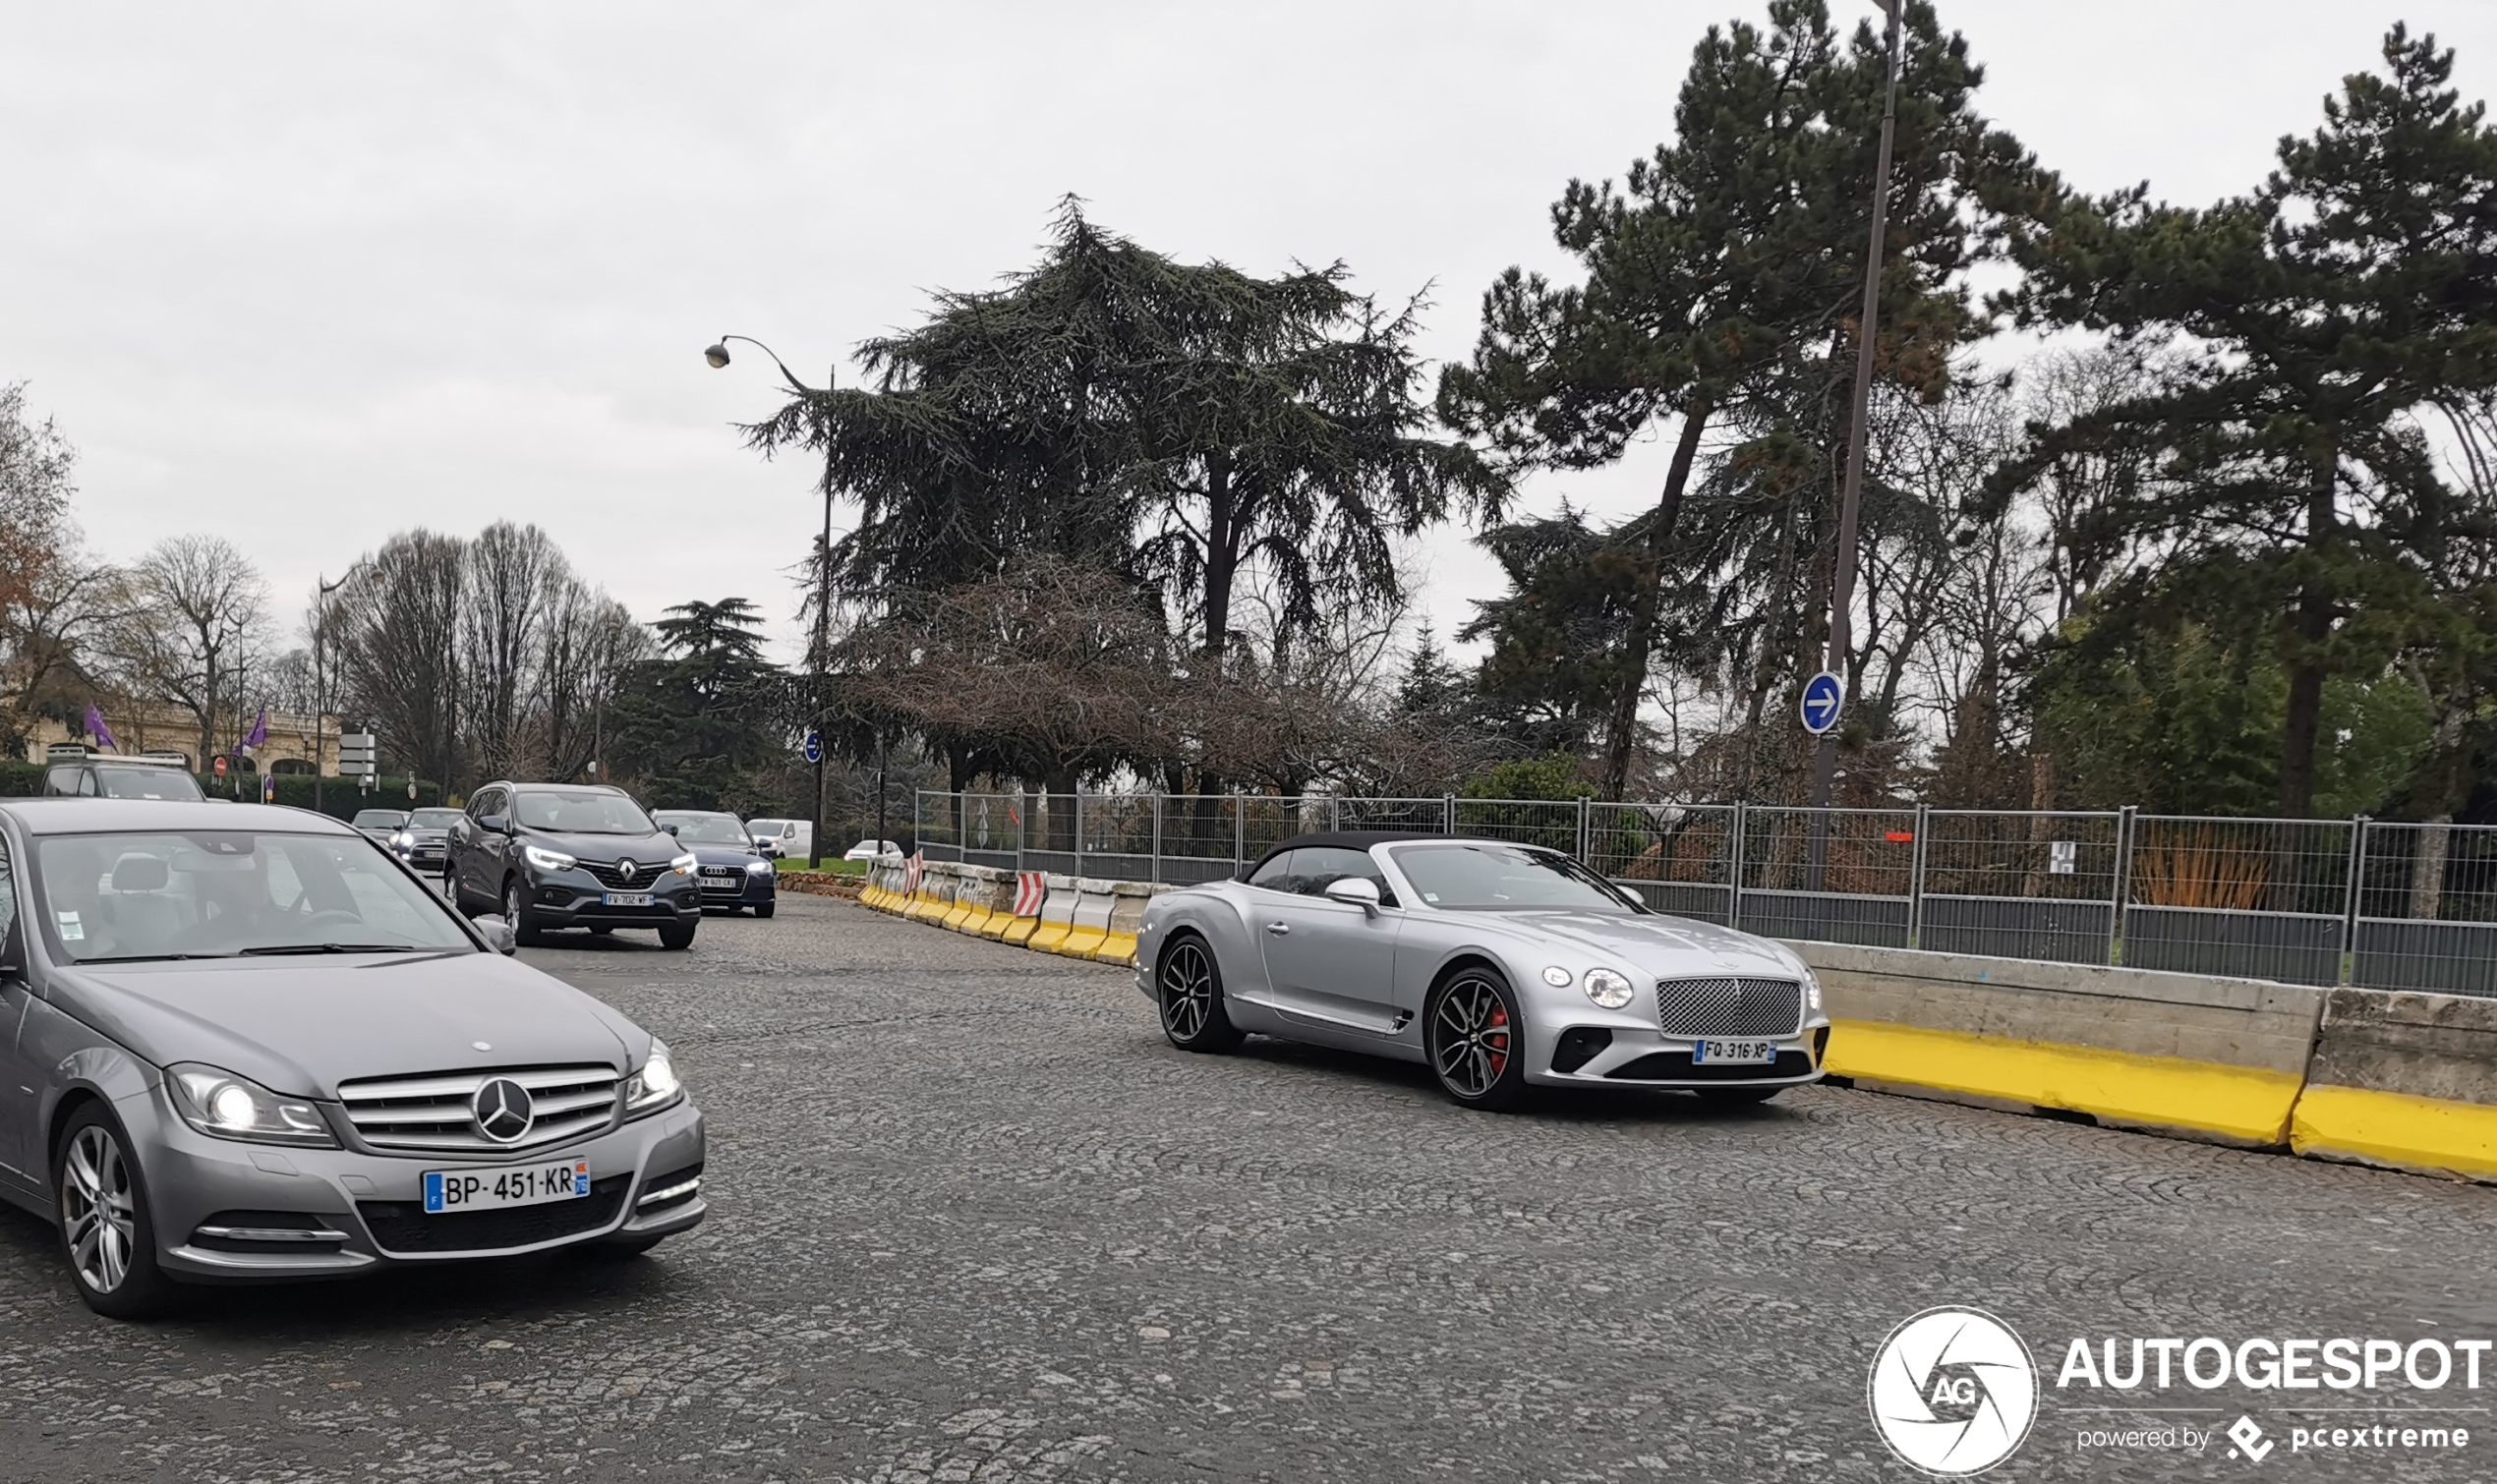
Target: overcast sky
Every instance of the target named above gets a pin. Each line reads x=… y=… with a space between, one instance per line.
x=310 y=274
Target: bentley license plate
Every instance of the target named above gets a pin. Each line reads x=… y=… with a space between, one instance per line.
x=449 y=1190
x=628 y=898
x=1733 y=1053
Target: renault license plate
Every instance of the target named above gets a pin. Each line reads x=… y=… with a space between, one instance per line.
x=451 y=1190
x=1733 y=1053
x=628 y=898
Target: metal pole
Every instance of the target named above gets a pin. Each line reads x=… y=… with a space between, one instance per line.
x=1734 y=872
x=2123 y=873
x=1448 y=813
x=880 y=791
x=1824 y=765
x=1078 y=827
x=2354 y=906
x=1239 y=833
x=1582 y=828
x=1157 y=839
x=1916 y=878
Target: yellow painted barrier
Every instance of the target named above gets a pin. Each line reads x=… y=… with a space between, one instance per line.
x=1081 y=941
x=2433 y=1134
x=1019 y=930
x=956 y=915
x=998 y=921
x=974 y=918
x=2245 y=1105
x=1115 y=947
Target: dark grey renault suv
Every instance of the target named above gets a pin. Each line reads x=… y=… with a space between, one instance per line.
x=571 y=855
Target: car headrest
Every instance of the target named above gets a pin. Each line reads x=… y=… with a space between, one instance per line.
x=142 y=873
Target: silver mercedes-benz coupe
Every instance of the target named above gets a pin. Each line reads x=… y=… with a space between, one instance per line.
x=242 y=1044
x=1497 y=965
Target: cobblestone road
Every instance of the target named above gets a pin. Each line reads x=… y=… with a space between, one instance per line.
x=973 y=1219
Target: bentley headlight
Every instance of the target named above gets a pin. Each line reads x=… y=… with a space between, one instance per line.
x=1607 y=989
x=219 y=1102
x=1812 y=993
x=655 y=1086
x=685 y=864
x=758 y=868
x=1558 y=977
x=547 y=860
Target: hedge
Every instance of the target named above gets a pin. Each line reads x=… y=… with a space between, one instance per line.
x=340 y=798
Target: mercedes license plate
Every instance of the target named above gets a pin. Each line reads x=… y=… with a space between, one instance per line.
x=1733 y=1053
x=628 y=898
x=449 y=1190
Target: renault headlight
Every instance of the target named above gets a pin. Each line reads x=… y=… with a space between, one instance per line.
x=404 y=840
x=544 y=859
x=219 y=1102
x=685 y=864
x=655 y=1086
x=1607 y=989
x=758 y=868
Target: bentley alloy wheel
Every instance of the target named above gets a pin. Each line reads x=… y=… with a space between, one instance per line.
x=1191 y=995
x=1476 y=1042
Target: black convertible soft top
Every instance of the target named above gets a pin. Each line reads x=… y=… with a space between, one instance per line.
x=1360 y=839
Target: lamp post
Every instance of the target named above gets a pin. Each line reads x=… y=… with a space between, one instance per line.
x=717 y=354
x=321 y=684
x=1825 y=762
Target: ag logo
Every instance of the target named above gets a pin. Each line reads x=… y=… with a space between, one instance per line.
x=1954 y=1392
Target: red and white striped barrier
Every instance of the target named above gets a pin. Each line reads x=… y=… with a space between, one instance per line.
x=911 y=870
x=1030 y=887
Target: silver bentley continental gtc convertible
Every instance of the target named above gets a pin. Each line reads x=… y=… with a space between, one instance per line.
x=244 y=1044
x=1496 y=965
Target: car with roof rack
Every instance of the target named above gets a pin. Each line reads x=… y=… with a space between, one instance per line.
x=1500 y=966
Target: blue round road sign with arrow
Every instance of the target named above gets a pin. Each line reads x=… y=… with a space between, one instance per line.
x=814 y=746
x=1822 y=697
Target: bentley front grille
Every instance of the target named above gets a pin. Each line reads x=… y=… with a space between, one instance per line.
x=1730 y=1006
x=435 y=1114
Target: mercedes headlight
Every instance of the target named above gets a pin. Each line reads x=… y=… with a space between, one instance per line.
x=685 y=864
x=759 y=868
x=655 y=1086
x=544 y=859
x=1607 y=989
x=219 y=1102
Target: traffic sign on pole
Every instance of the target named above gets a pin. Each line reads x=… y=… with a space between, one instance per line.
x=1823 y=696
x=814 y=746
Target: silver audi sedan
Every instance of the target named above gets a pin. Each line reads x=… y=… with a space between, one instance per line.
x=1500 y=966
x=245 y=1043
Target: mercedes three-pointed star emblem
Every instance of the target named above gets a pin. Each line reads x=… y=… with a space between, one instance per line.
x=503 y=1110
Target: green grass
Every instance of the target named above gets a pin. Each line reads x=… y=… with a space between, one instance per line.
x=833 y=868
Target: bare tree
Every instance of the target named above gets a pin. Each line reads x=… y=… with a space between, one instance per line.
x=514 y=580
x=199 y=625
x=55 y=601
x=398 y=634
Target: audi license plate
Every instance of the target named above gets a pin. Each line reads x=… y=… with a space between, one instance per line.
x=628 y=898
x=449 y=1190
x=1733 y=1053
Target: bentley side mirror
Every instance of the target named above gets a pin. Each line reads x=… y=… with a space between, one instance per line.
x=501 y=932
x=1354 y=890
x=671 y=829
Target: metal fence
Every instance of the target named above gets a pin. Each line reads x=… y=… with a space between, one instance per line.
x=2396 y=906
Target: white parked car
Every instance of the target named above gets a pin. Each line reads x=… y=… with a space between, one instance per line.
x=868 y=850
x=781 y=838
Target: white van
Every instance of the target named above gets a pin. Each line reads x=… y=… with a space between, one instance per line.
x=781 y=839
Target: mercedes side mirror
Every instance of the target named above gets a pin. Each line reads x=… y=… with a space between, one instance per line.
x=501 y=932
x=1354 y=890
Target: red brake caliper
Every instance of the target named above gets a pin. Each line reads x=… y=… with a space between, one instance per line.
x=1500 y=1026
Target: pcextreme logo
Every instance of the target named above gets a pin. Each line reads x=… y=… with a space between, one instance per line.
x=1953 y=1391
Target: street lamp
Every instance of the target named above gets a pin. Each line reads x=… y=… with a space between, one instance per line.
x=717 y=354
x=1825 y=762
x=320 y=686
